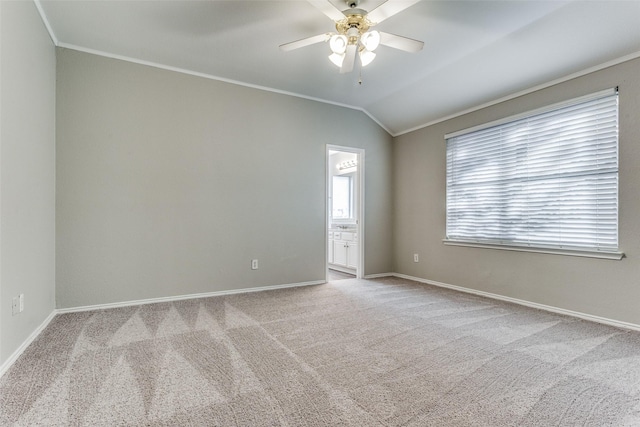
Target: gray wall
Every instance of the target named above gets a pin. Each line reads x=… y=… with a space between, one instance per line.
x=27 y=172
x=604 y=288
x=169 y=184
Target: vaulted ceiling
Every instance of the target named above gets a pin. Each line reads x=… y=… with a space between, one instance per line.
x=475 y=52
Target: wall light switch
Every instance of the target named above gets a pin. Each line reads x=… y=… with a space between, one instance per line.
x=21 y=302
x=416 y=258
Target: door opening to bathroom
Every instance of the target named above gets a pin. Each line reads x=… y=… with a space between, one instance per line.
x=344 y=213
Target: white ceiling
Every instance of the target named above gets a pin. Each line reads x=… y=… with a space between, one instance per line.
x=475 y=52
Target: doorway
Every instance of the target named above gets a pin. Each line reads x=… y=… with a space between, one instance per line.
x=345 y=212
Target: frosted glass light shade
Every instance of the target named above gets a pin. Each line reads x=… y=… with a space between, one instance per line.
x=370 y=40
x=337 y=59
x=338 y=43
x=366 y=57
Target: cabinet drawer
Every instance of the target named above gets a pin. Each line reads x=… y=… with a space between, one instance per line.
x=347 y=236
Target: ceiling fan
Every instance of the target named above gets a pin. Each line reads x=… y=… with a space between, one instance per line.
x=354 y=35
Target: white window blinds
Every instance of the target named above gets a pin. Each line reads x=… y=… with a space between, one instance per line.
x=548 y=179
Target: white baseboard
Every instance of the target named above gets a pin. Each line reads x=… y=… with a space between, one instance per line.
x=378 y=275
x=550 y=308
x=11 y=360
x=183 y=297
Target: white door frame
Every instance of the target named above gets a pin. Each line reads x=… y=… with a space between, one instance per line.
x=359 y=152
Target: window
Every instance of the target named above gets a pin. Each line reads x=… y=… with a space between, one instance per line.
x=546 y=180
x=342 y=197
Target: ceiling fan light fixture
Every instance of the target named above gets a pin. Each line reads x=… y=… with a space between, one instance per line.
x=338 y=44
x=370 y=40
x=352 y=36
x=337 y=59
x=366 y=57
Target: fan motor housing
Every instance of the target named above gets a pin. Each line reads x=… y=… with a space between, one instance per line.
x=355 y=18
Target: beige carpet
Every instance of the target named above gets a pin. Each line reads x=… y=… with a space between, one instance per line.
x=387 y=352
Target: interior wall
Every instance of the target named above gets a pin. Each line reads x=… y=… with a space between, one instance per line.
x=170 y=184
x=598 y=287
x=27 y=172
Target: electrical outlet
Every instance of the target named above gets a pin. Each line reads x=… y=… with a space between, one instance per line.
x=15 y=306
x=254 y=264
x=416 y=258
x=21 y=303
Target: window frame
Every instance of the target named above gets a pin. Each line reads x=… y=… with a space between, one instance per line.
x=537 y=248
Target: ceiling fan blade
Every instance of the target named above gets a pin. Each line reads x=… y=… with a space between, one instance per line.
x=305 y=42
x=400 y=42
x=388 y=9
x=328 y=9
x=349 y=59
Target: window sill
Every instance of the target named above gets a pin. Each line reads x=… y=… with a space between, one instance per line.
x=554 y=251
